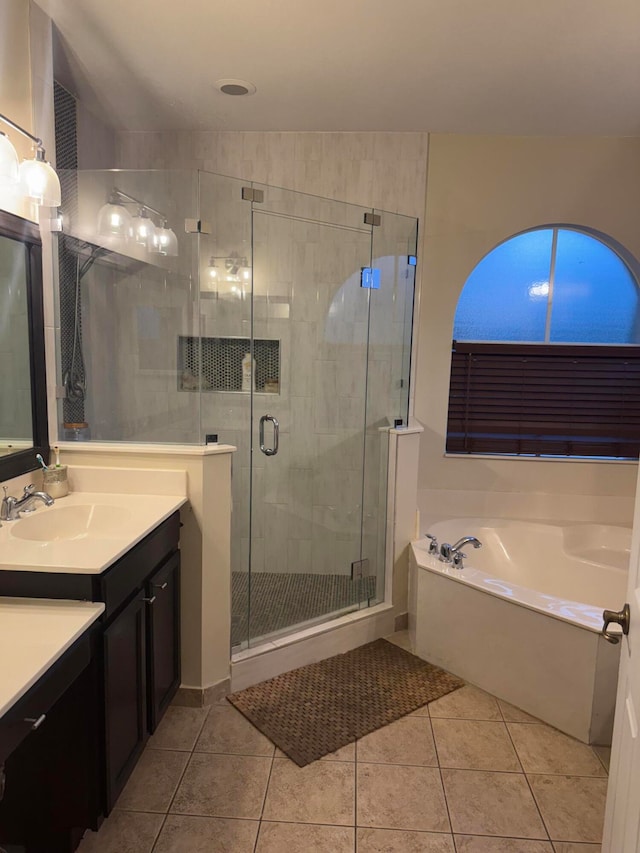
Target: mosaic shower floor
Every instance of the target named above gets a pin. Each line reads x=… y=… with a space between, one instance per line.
x=280 y=600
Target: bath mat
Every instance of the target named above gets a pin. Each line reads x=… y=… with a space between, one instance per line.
x=314 y=710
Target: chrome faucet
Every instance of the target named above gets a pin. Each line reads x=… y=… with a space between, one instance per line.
x=11 y=508
x=466 y=540
x=453 y=554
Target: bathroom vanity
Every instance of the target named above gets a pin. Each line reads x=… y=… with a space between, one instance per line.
x=123 y=674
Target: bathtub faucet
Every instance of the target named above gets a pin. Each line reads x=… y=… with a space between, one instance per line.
x=453 y=554
x=466 y=540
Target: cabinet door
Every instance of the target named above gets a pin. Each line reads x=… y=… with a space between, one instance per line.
x=163 y=653
x=125 y=696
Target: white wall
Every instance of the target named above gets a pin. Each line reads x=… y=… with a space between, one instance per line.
x=482 y=190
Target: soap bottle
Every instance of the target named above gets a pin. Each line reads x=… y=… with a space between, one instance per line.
x=248 y=373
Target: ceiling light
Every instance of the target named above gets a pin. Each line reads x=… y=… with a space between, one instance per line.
x=233 y=86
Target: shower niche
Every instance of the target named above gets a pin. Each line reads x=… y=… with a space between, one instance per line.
x=217 y=364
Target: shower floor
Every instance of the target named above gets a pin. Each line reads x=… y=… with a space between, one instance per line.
x=281 y=600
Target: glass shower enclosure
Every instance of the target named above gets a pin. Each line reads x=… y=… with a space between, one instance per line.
x=283 y=327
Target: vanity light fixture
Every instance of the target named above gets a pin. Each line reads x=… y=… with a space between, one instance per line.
x=237 y=272
x=114 y=220
x=35 y=178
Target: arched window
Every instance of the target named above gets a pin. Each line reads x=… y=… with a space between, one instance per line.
x=546 y=355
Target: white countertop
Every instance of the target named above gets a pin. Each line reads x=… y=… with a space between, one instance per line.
x=34 y=633
x=96 y=549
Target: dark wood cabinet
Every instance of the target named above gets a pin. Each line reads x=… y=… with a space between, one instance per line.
x=163 y=648
x=125 y=695
x=135 y=665
x=53 y=788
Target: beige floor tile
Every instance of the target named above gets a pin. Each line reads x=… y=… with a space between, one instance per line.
x=322 y=792
x=572 y=806
x=188 y=834
x=482 y=844
x=604 y=754
x=483 y=803
x=345 y=753
x=391 y=796
x=572 y=847
x=542 y=749
x=401 y=841
x=474 y=745
x=468 y=703
x=154 y=781
x=515 y=715
x=179 y=728
x=123 y=832
x=227 y=731
x=421 y=712
x=407 y=741
x=305 y=838
x=223 y=786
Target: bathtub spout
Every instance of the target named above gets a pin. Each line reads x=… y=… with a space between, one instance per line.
x=466 y=540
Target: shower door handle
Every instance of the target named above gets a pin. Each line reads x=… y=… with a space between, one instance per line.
x=270 y=451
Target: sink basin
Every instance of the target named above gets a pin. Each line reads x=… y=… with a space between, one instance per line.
x=98 y=521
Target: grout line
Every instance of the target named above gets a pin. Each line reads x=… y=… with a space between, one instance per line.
x=444 y=790
x=515 y=748
x=264 y=799
x=186 y=766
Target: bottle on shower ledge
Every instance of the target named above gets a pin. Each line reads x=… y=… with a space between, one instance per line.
x=248 y=373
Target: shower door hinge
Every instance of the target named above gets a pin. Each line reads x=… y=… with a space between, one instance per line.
x=197 y=226
x=370 y=278
x=359 y=569
x=249 y=194
x=372 y=219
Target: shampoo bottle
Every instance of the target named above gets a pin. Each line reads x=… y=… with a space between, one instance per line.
x=248 y=373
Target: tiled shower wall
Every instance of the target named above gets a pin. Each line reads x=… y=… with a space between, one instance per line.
x=376 y=169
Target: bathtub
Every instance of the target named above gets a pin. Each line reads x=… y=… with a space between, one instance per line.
x=522 y=619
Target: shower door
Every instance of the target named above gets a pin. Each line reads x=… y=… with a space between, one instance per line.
x=310 y=329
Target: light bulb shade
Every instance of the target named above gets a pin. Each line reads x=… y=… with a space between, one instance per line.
x=143 y=231
x=40 y=182
x=8 y=162
x=114 y=220
x=164 y=242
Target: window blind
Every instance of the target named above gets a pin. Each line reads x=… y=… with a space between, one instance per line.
x=544 y=399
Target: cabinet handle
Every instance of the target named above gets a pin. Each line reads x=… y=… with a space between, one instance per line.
x=150 y=600
x=36 y=722
x=161 y=585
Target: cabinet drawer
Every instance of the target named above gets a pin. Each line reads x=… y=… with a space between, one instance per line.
x=43 y=695
x=130 y=572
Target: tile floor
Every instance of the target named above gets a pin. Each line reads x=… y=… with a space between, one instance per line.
x=466 y=774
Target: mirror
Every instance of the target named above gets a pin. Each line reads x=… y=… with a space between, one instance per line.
x=23 y=398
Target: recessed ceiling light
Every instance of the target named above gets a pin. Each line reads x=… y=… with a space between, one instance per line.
x=231 y=86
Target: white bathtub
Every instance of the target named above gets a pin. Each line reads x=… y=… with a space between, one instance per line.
x=522 y=619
